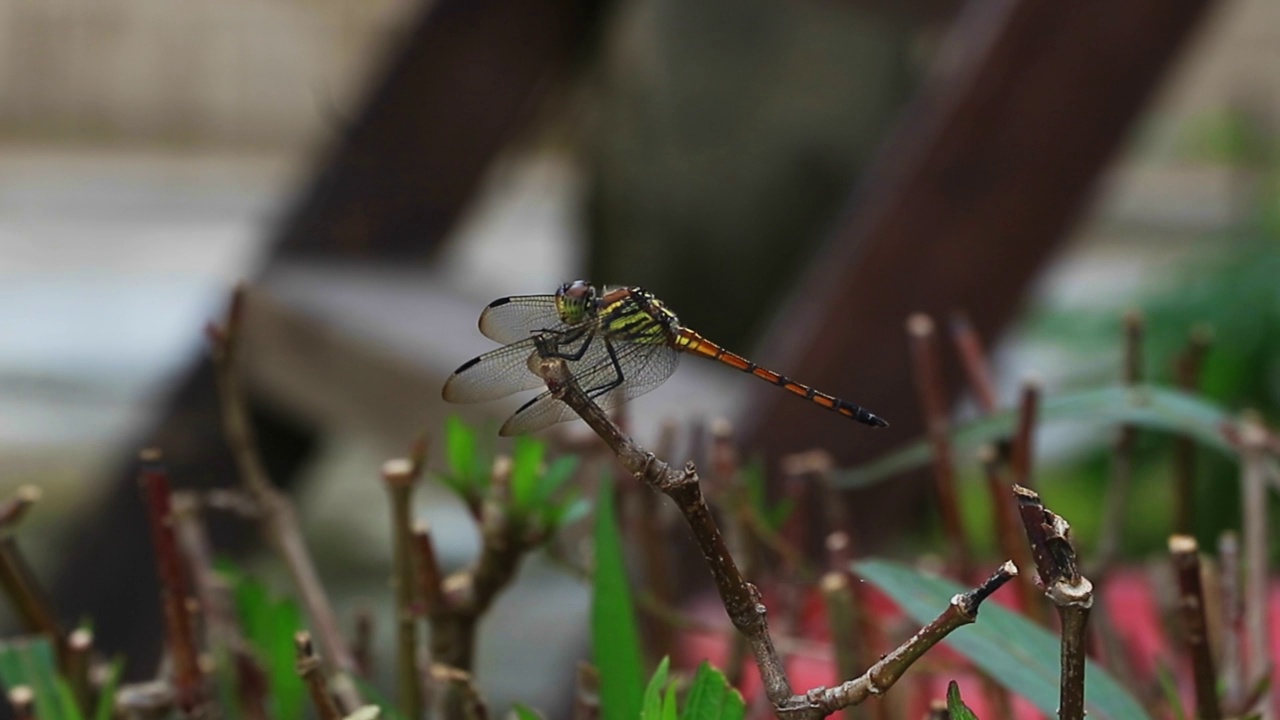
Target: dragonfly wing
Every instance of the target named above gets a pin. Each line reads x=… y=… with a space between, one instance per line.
x=495 y=374
x=516 y=318
x=644 y=367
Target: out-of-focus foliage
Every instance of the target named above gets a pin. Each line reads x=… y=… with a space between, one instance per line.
x=710 y=697
x=615 y=639
x=269 y=625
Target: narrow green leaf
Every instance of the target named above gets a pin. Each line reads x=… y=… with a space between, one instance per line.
x=652 y=709
x=107 y=693
x=669 y=703
x=525 y=462
x=711 y=698
x=615 y=641
x=1169 y=687
x=569 y=510
x=29 y=661
x=1017 y=653
x=67 y=700
x=524 y=712
x=1149 y=406
x=269 y=626
x=955 y=706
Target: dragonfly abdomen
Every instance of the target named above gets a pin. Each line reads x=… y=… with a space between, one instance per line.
x=690 y=341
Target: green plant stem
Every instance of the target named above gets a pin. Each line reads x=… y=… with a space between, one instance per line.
x=740 y=598
x=400 y=477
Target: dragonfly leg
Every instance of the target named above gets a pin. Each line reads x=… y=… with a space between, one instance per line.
x=617 y=373
x=549 y=350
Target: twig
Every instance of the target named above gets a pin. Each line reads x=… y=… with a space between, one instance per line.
x=278 y=521
x=1023 y=451
x=400 y=477
x=1069 y=591
x=1254 y=502
x=1009 y=536
x=309 y=664
x=23 y=701
x=1117 y=499
x=741 y=599
x=79 y=662
x=430 y=579
x=459 y=684
x=1232 y=622
x=15 y=508
x=1186 y=565
x=30 y=601
x=846 y=638
x=974 y=359
x=1187 y=369
x=362 y=645
x=927 y=368
x=221 y=627
x=586 y=694
x=252 y=686
x=145 y=701
x=188 y=680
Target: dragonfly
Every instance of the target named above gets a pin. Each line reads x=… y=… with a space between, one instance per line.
x=618 y=344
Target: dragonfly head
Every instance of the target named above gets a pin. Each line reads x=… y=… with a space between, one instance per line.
x=575 y=301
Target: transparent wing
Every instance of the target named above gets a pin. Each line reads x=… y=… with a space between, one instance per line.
x=507 y=370
x=495 y=374
x=516 y=318
x=644 y=366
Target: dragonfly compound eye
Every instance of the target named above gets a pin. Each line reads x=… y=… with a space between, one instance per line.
x=573 y=300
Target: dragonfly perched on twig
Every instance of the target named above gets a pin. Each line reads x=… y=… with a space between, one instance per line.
x=618 y=344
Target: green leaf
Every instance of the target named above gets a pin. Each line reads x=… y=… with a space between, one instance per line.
x=571 y=509
x=1017 y=653
x=955 y=706
x=754 y=481
x=67 y=700
x=1149 y=406
x=524 y=712
x=526 y=461
x=107 y=693
x=1169 y=687
x=29 y=661
x=269 y=626
x=669 y=703
x=711 y=698
x=615 y=641
x=557 y=474
x=652 y=709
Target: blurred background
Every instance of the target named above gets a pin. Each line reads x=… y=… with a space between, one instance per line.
x=792 y=176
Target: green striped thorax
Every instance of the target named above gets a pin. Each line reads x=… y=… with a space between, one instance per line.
x=576 y=302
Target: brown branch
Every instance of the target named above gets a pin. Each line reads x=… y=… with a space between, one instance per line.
x=188 y=680
x=28 y=597
x=15 y=508
x=1069 y=591
x=400 y=476
x=278 y=520
x=974 y=358
x=1117 y=499
x=740 y=598
x=849 y=643
x=1232 y=622
x=145 y=701
x=362 y=639
x=1254 y=502
x=927 y=367
x=23 y=701
x=1187 y=368
x=1023 y=452
x=252 y=685
x=430 y=578
x=1009 y=536
x=1186 y=565
x=459 y=688
x=308 y=666
x=586 y=693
